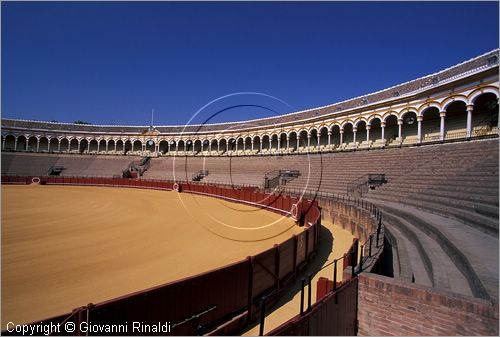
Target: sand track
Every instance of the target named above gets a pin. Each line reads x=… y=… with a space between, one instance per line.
x=66 y=246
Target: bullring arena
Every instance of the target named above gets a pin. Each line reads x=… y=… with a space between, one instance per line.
x=373 y=216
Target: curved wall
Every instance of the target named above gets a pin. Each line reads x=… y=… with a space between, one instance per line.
x=453 y=103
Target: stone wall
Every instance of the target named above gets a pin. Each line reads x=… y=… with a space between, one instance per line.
x=387 y=306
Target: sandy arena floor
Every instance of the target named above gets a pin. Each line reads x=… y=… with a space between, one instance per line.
x=63 y=247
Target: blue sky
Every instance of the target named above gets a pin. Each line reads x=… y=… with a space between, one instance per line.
x=111 y=63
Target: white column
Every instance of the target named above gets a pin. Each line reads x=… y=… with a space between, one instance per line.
x=37 y=144
x=98 y=146
x=341 y=136
x=218 y=146
x=260 y=146
x=15 y=144
x=442 y=114
x=354 y=131
x=308 y=141
x=382 y=126
x=252 y=143
x=79 y=145
x=27 y=142
x=3 y=143
x=400 y=124
x=329 y=138
x=368 y=127
x=116 y=143
x=419 y=130
x=59 y=146
x=298 y=142
x=287 y=142
x=244 y=145
x=279 y=143
x=210 y=147
x=470 y=108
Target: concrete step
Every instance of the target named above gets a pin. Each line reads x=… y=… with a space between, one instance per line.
x=473 y=252
x=439 y=267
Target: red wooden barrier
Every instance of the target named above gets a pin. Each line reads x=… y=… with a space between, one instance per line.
x=334 y=315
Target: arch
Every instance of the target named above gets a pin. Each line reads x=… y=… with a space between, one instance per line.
x=373 y=118
x=314 y=138
x=409 y=128
x=93 y=145
x=32 y=141
x=64 y=147
x=293 y=141
x=163 y=146
x=375 y=129
x=388 y=114
x=484 y=117
x=348 y=136
x=302 y=138
x=335 y=135
x=222 y=145
x=137 y=146
x=150 y=145
x=43 y=144
x=181 y=145
x=360 y=120
x=432 y=104
x=456 y=120
x=323 y=136
x=111 y=145
x=102 y=146
x=248 y=143
x=21 y=143
x=391 y=130
x=482 y=91
x=346 y=123
x=54 y=144
x=431 y=124
x=455 y=98
x=204 y=145
x=214 y=145
x=361 y=134
x=120 y=146
x=256 y=143
x=84 y=145
x=9 y=142
x=273 y=142
x=266 y=142
x=231 y=144
x=239 y=144
x=282 y=140
x=197 y=145
x=407 y=111
x=73 y=145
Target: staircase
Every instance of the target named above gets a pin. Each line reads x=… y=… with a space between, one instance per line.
x=362 y=184
x=198 y=176
x=137 y=168
x=276 y=178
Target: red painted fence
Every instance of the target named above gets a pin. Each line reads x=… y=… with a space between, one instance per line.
x=219 y=295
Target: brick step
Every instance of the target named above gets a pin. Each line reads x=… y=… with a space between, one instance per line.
x=439 y=267
x=483 y=209
x=475 y=220
x=474 y=252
